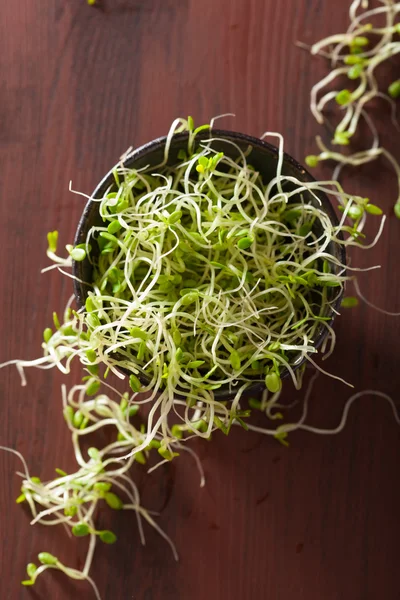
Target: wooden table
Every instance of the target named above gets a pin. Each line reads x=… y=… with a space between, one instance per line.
x=317 y=521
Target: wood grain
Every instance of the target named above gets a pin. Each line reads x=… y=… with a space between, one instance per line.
x=78 y=86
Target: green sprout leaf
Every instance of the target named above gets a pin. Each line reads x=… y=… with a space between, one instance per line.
x=175 y=217
x=360 y=40
x=61 y=473
x=235 y=361
x=31 y=569
x=52 y=240
x=80 y=530
x=93 y=320
x=77 y=419
x=133 y=410
x=373 y=210
x=218 y=423
x=341 y=138
x=102 y=486
x=167 y=454
x=343 y=97
x=352 y=59
x=107 y=537
x=349 y=302
x=176 y=336
x=182 y=155
x=176 y=432
x=69 y=414
x=282 y=438
x=273 y=382
x=255 y=404
x=113 y=501
x=394 y=89
x=304 y=231
x=134 y=383
x=140 y=457
x=91 y=355
x=78 y=254
x=245 y=243
x=312 y=160
x=189 y=298
x=89 y=304
x=56 y=321
x=194 y=364
x=92 y=387
x=45 y=558
x=138 y=334
x=47 y=335
x=355 y=71
x=202 y=165
x=70 y=511
x=114 y=227
x=153 y=444
x=355 y=212
x=93 y=453
x=109 y=237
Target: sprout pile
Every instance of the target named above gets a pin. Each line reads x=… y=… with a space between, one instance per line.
x=205 y=278
x=357 y=55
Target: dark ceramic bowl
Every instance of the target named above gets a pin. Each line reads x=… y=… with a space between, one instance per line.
x=264 y=158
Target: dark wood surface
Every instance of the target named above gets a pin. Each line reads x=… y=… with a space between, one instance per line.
x=78 y=86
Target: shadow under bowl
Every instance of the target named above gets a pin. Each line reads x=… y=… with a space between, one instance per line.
x=264 y=158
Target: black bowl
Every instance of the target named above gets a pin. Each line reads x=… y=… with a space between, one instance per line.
x=264 y=157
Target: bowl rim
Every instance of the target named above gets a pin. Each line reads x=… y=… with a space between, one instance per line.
x=130 y=158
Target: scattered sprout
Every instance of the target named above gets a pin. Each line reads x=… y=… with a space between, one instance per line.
x=357 y=54
x=71 y=499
